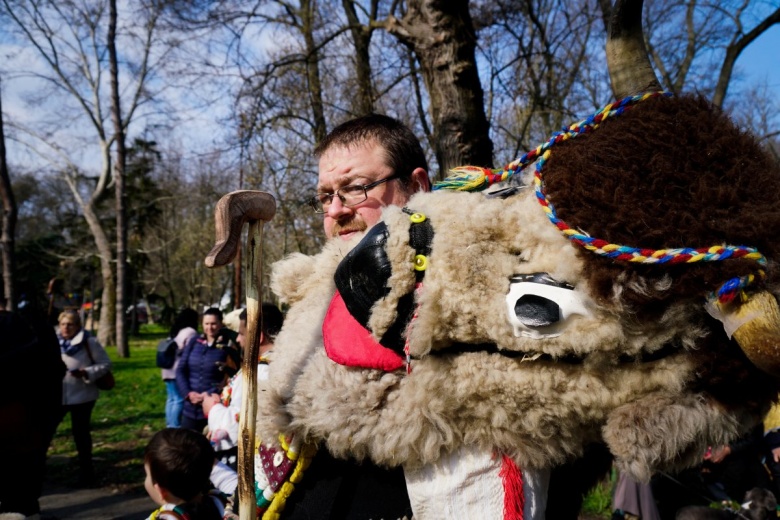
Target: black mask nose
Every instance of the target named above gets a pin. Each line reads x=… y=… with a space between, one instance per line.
x=537 y=311
x=362 y=275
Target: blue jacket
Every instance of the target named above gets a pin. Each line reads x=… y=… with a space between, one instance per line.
x=200 y=368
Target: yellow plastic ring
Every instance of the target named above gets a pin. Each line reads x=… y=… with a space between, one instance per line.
x=420 y=262
x=416 y=218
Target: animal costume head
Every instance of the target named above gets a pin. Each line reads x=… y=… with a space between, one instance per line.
x=597 y=302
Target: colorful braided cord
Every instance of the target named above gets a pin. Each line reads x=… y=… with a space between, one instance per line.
x=471 y=178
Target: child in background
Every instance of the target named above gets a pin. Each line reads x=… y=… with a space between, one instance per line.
x=178 y=463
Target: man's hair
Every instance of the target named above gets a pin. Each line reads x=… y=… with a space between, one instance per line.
x=404 y=153
x=213 y=311
x=180 y=460
x=272 y=320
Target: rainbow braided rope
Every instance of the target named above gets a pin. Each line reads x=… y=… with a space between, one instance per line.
x=470 y=178
x=474 y=178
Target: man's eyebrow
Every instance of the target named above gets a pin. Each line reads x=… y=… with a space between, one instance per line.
x=344 y=180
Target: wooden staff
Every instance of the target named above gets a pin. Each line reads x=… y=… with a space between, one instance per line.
x=232 y=211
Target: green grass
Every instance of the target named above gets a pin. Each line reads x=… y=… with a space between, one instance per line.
x=122 y=422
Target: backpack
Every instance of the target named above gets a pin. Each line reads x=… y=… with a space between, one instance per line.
x=166 y=353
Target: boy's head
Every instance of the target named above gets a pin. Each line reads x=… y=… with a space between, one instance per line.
x=178 y=464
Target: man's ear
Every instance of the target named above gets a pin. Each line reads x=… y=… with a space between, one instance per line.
x=420 y=180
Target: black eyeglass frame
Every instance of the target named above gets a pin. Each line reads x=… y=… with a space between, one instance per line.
x=318 y=204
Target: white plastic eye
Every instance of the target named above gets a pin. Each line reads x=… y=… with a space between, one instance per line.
x=539 y=307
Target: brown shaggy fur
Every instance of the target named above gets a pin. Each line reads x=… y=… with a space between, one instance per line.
x=673 y=172
x=649 y=372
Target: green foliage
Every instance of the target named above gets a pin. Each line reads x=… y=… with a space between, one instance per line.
x=122 y=422
x=598 y=502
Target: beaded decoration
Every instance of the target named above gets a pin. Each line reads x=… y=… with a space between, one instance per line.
x=420 y=238
x=472 y=178
x=272 y=494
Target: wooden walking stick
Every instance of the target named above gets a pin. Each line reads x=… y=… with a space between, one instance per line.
x=232 y=211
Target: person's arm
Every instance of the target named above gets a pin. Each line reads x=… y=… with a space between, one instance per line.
x=183 y=370
x=224 y=478
x=102 y=363
x=225 y=418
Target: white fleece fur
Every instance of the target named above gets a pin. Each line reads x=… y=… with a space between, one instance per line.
x=540 y=412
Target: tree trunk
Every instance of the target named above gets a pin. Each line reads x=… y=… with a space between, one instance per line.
x=237 y=293
x=119 y=190
x=361 y=38
x=313 y=70
x=441 y=34
x=106 y=329
x=7 y=238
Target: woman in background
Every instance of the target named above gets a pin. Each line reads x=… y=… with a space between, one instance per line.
x=86 y=361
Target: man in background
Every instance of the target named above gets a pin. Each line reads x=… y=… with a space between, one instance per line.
x=223 y=411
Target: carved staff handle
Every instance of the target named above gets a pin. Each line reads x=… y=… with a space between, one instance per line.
x=232 y=211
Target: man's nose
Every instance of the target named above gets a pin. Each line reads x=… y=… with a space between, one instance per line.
x=337 y=209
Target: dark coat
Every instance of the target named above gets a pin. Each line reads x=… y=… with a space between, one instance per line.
x=201 y=368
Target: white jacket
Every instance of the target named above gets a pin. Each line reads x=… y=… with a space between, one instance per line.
x=76 y=390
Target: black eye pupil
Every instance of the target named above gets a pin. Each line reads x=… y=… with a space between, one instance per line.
x=537 y=311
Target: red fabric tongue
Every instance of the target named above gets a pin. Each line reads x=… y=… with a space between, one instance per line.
x=348 y=343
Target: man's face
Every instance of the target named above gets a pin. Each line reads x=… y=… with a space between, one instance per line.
x=359 y=164
x=241 y=338
x=211 y=326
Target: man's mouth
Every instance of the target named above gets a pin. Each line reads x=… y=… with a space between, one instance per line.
x=347 y=230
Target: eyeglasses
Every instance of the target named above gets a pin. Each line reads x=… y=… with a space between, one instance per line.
x=351 y=195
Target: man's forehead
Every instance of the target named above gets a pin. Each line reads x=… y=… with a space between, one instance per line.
x=340 y=163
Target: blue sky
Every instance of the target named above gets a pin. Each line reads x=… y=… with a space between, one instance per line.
x=758 y=63
x=761 y=59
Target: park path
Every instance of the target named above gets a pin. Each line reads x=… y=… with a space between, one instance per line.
x=106 y=503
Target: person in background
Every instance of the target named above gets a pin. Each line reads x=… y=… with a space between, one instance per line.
x=178 y=463
x=222 y=411
x=79 y=392
x=184 y=328
x=727 y=473
x=28 y=411
x=201 y=370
